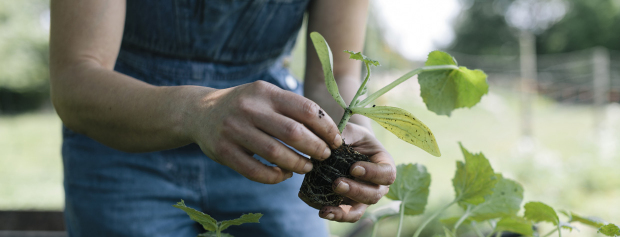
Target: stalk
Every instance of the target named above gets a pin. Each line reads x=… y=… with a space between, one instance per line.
x=477 y=230
x=460 y=221
x=375 y=228
x=550 y=233
x=417 y=233
x=499 y=234
x=402 y=216
x=402 y=79
x=345 y=118
x=359 y=91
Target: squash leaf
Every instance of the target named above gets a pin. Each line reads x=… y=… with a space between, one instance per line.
x=326 y=58
x=205 y=220
x=245 y=218
x=609 y=230
x=515 y=224
x=361 y=57
x=446 y=90
x=411 y=187
x=538 y=211
x=505 y=201
x=402 y=124
x=474 y=179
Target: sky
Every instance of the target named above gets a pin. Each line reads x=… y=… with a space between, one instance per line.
x=416 y=27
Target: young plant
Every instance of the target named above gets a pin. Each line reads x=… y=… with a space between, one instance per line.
x=444 y=87
x=214 y=228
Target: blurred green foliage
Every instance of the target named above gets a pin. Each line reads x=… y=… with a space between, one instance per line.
x=482 y=28
x=24 y=54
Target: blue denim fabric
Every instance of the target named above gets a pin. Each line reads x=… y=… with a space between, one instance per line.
x=169 y=42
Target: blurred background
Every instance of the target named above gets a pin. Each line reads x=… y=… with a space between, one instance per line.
x=551 y=120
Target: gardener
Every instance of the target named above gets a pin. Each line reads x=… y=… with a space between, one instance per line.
x=146 y=89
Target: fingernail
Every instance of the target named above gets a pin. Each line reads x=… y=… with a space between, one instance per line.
x=337 y=140
x=289 y=175
x=330 y=216
x=342 y=187
x=358 y=171
x=327 y=153
x=307 y=167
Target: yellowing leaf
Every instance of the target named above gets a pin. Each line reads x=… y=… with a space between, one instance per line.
x=326 y=58
x=402 y=124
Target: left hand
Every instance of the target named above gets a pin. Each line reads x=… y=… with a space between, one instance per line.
x=372 y=179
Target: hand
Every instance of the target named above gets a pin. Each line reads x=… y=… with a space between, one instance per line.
x=372 y=178
x=230 y=125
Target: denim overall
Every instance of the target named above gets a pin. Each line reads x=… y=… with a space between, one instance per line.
x=212 y=43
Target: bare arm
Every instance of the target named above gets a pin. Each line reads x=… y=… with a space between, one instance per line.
x=343 y=24
x=230 y=125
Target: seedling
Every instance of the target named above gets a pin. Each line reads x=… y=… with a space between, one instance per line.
x=214 y=228
x=444 y=87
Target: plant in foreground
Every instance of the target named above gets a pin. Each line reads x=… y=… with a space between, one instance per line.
x=485 y=196
x=444 y=87
x=214 y=228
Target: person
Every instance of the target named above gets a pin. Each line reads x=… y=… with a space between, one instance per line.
x=189 y=99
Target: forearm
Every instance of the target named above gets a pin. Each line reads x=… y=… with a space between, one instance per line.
x=120 y=111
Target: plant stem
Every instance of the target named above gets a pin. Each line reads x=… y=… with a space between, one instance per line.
x=402 y=216
x=559 y=231
x=395 y=83
x=359 y=91
x=460 y=221
x=550 y=232
x=499 y=234
x=375 y=227
x=475 y=227
x=417 y=232
x=345 y=118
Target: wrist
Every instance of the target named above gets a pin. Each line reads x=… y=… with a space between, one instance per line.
x=192 y=101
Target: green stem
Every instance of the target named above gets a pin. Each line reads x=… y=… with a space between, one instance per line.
x=359 y=91
x=499 y=234
x=419 y=230
x=345 y=118
x=476 y=229
x=402 y=216
x=559 y=231
x=550 y=232
x=460 y=221
x=402 y=79
x=375 y=228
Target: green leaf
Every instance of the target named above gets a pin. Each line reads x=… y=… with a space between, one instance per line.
x=205 y=220
x=411 y=187
x=246 y=218
x=587 y=220
x=452 y=221
x=505 y=201
x=214 y=234
x=447 y=232
x=446 y=90
x=538 y=211
x=402 y=124
x=515 y=224
x=473 y=179
x=326 y=58
x=609 y=230
x=361 y=57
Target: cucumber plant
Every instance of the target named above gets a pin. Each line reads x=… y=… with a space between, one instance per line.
x=445 y=86
x=214 y=228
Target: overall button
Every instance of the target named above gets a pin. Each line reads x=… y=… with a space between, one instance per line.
x=291 y=82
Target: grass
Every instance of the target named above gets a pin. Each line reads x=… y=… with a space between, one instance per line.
x=570 y=165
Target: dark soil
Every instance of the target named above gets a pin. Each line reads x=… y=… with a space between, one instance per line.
x=317 y=187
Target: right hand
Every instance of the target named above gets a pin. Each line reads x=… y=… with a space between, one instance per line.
x=230 y=125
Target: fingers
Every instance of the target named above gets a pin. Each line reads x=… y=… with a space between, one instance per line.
x=246 y=165
x=273 y=151
x=310 y=114
x=361 y=192
x=294 y=134
x=376 y=173
x=343 y=213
